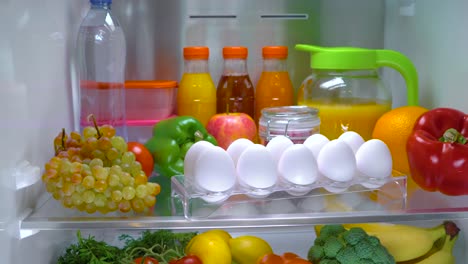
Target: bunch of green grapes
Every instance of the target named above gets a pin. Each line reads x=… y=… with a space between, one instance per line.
x=95 y=172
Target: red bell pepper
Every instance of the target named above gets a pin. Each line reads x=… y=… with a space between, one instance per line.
x=438 y=153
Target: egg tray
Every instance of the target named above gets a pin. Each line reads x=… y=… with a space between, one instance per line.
x=321 y=197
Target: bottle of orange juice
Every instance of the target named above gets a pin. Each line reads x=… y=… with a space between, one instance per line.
x=197 y=93
x=274 y=87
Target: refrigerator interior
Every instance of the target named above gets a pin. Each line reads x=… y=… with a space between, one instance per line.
x=37 y=79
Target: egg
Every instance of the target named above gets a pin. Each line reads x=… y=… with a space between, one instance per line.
x=236 y=148
x=277 y=146
x=191 y=157
x=214 y=171
x=315 y=143
x=256 y=170
x=353 y=139
x=336 y=161
x=298 y=166
x=374 y=159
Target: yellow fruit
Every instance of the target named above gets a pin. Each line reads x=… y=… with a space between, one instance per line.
x=394 y=128
x=248 y=249
x=210 y=248
x=443 y=256
x=224 y=235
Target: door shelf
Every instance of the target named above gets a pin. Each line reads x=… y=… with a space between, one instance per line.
x=419 y=206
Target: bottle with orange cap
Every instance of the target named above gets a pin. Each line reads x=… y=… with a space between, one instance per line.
x=235 y=91
x=274 y=88
x=197 y=93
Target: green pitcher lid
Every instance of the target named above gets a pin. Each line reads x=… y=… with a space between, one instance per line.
x=353 y=58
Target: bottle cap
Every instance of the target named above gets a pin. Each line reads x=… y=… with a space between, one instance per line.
x=100 y=2
x=196 y=53
x=235 y=52
x=275 y=52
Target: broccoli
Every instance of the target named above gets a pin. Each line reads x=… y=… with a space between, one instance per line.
x=337 y=245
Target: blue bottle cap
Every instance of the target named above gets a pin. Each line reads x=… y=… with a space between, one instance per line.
x=100 y=2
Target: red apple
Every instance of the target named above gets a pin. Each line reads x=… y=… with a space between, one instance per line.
x=227 y=127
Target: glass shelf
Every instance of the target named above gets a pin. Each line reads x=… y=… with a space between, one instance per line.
x=420 y=206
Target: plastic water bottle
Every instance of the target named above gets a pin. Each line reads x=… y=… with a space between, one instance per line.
x=101 y=51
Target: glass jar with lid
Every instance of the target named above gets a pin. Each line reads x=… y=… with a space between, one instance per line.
x=295 y=122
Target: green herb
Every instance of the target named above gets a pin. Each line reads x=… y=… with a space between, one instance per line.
x=88 y=250
x=162 y=245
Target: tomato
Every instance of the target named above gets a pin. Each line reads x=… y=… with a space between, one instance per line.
x=270 y=258
x=145 y=260
x=142 y=155
x=292 y=258
x=190 y=259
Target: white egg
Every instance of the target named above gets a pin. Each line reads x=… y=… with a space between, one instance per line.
x=298 y=166
x=256 y=168
x=277 y=146
x=374 y=159
x=315 y=143
x=214 y=171
x=236 y=148
x=191 y=157
x=353 y=139
x=336 y=161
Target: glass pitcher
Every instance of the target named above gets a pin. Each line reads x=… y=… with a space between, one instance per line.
x=346 y=88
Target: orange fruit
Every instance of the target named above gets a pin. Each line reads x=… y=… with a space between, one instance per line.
x=394 y=127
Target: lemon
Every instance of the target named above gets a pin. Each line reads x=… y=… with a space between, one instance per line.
x=211 y=248
x=224 y=235
x=248 y=249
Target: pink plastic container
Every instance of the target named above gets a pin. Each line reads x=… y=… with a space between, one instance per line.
x=141 y=130
x=150 y=100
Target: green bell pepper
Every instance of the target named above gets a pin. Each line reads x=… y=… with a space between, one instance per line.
x=171 y=140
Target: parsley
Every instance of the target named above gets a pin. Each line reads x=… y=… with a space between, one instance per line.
x=162 y=245
x=88 y=250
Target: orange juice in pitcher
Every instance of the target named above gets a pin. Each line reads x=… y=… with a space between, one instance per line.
x=351 y=114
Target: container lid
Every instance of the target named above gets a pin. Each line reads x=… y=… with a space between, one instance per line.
x=150 y=84
x=237 y=52
x=275 y=52
x=88 y=84
x=352 y=58
x=145 y=122
x=196 y=53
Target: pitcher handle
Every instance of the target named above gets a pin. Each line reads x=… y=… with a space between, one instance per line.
x=405 y=67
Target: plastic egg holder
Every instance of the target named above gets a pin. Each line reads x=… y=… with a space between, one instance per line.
x=321 y=196
x=284 y=187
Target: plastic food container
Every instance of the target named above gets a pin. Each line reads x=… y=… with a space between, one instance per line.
x=295 y=122
x=150 y=100
x=141 y=130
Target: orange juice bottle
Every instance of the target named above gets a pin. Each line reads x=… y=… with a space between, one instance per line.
x=274 y=87
x=197 y=93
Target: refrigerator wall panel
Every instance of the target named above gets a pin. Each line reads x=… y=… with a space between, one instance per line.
x=434 y=38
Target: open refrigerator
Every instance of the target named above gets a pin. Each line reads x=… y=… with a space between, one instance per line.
x=37 y=80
